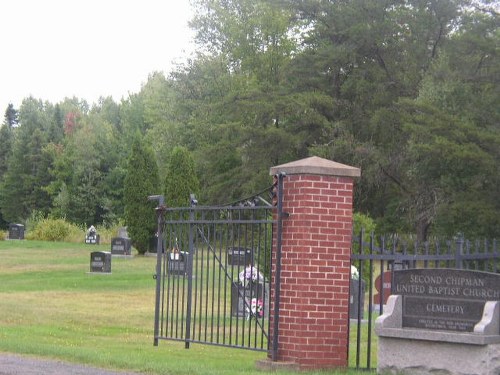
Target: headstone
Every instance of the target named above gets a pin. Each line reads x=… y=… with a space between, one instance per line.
x=91 y=236
x=121 y=246
x=239 y=256
x=176 y=263
x=356 y=304
x=248 y=300
x=122 y=232
x=383 y=288
x=100 y=261
x=16 y=232
x=153 y=245
x=93 y=240
x=445 y=299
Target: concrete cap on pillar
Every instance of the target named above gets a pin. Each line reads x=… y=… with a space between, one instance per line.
x=317 y=166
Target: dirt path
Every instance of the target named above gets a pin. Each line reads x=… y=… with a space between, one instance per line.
x=13 y=364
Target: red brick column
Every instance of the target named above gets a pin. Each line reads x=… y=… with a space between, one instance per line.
x=315 y=263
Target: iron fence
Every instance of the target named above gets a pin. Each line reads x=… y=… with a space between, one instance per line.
x=376 y=258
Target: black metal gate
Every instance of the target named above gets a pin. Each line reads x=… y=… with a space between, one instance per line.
x=213 y=273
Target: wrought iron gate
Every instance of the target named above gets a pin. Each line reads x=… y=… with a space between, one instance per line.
x=213 y=273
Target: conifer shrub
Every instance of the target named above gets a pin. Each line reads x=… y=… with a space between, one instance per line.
x=141 y=181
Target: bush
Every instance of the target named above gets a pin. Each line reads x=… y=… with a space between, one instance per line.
x=54 y=230
x=365 y=222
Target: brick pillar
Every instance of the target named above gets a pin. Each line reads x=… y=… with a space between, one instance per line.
x=315 y=264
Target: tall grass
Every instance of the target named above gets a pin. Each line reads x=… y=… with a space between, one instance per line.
x=51 y=306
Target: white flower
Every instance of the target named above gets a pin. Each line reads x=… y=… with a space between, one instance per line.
x=250 y=273
x=354 y=273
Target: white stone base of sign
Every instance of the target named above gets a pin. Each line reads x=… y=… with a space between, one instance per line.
x=410 y=351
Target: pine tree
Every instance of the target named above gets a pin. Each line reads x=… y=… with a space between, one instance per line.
x=6 y=139
x=11 y=116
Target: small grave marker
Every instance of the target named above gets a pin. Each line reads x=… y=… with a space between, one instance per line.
x=248 y=300
x=92 y=237
x=100 y=261
x=239 y=256
x=177 y=263
x=16 y=232
x=121 y=246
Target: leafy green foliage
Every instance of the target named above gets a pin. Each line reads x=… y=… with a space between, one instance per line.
x=55 y=230
x=365 y=226
x=404 y=90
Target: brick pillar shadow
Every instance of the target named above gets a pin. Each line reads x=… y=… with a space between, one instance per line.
x=315 y=266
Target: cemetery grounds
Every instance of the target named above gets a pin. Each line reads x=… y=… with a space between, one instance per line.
x=52 y=307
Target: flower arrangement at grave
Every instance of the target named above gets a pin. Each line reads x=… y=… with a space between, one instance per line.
x=175 y=253
x=250 y=275
x=256 y=308
x=354 y=273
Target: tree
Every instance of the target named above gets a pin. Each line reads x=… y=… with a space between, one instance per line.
x=181 y=180
x=237 y=89
x=140 y=182
x=6 y=140
x=22 y=189
x=11 y=116
x=89 y=165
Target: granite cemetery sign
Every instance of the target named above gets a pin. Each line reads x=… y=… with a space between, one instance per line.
x=444 y=299
x=444 y=321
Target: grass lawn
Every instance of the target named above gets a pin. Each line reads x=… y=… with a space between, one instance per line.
x=51 y=306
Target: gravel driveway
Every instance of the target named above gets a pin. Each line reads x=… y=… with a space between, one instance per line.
x=13 y=364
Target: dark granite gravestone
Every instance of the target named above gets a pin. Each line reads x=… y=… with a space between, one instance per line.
x=176 y=264
x=92 y=239
x=242 y=296
x=445 y=299
x=356 y=304
x=239 y=256
x=121 y=246
x=100 y=261
x=16 y=232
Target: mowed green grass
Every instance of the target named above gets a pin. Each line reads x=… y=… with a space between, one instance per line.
x=51 y=306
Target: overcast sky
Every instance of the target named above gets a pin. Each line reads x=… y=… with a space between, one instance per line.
x=52 y=49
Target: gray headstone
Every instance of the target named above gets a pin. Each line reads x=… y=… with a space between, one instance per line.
x=100 y=261
x=16 y=232
x=121 y=246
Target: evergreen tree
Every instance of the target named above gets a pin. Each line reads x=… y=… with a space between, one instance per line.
x=141 y=181
x=6 y=139
x=11 y=116
x=22 y=189
x=181 y=180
